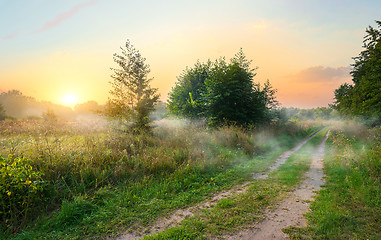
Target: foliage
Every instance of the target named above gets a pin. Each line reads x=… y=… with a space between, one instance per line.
x=124 y=179
x=186 y=98
x=132 y=98
x=363 y=97
x=20 y=187
x=222 y=93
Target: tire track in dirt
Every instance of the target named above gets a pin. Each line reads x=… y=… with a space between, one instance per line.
x=290 y=212
x=180 y=214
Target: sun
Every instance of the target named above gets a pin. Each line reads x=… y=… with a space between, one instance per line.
x=70 y=99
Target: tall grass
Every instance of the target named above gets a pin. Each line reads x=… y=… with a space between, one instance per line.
x=238 y=211
x=88 y=170
x=349 y=207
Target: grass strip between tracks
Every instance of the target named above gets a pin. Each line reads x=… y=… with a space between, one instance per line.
x=238 y=211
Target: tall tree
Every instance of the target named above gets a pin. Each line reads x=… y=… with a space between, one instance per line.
x=363 y=98
x=132 y=97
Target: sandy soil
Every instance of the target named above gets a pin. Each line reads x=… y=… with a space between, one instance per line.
x=290 y=212
x=179 y=215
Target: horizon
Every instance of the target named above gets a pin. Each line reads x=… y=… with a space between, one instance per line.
x=61 y=52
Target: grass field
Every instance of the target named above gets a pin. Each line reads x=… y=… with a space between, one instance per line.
x=87 y=181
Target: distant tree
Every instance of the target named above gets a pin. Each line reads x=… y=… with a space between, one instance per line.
x=89 y=107
x=322 y=113
x=363 y=98
x=15 y=103
x=132 y=97
x=222 y=93
x=49 y=116
x=3 y=114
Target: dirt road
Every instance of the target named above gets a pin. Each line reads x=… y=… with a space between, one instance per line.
x=293 y=207
x=291 y=210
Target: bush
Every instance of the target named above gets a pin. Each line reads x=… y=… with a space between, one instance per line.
x=20 y=188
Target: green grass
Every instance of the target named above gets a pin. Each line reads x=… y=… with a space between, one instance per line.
x=99 y=183
x=236 y=212
x=349 y=207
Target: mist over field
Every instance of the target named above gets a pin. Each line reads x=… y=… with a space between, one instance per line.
x=190 y=120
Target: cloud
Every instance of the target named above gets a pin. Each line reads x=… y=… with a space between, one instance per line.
x=10 y=36
x=322 y=74
x=64 y=16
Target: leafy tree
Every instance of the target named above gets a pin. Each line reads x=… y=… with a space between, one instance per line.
x=363 y=98
x=132 y=97
x=222 y=92
x=186 y=98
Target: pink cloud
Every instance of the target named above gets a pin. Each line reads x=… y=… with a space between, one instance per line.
x=322 y=74
x=10 y=36
x=63 y=16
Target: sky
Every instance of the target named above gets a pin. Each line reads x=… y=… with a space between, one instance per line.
x=61 y=51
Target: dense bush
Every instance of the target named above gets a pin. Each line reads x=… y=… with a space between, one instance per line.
x=20 y=188
x=222 y=93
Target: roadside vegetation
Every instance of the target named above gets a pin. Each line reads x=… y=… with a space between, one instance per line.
x=349 y=205
x=237 y=212
x=94 y=182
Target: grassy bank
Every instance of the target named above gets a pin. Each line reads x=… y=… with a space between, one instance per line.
x=231 y=214
x=349 y=207
x=78 y=181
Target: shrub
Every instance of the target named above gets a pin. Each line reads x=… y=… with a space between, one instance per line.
x=20 y=187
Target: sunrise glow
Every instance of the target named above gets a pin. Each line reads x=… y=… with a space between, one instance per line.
x=70 y=100
x=304 y=50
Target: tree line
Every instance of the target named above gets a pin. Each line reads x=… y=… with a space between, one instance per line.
x=362 y=98
x=15 y=105
x=219 y=92
x=224 y=92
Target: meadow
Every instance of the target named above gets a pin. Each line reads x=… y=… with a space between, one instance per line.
x=86 y=180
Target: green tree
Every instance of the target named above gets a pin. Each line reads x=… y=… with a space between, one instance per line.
x=222 y=92
x=132 y=97
x=186 y=98
x=363 y=97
